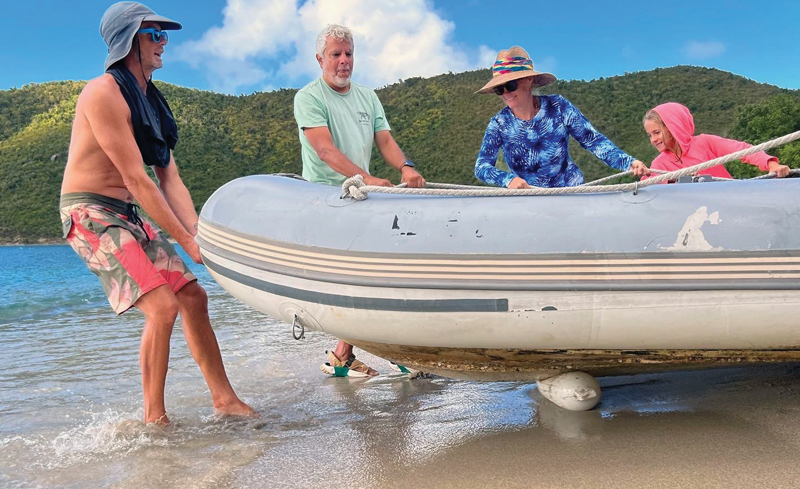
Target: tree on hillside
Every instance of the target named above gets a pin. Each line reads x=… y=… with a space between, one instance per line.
x=756 y=123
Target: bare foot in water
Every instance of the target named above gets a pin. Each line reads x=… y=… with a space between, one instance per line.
x=236 y=408
x=162 y=420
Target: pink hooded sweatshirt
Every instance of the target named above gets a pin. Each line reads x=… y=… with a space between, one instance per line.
x=701 y=148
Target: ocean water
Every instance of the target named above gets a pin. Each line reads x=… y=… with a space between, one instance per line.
x=71 y=395
x=70 y=410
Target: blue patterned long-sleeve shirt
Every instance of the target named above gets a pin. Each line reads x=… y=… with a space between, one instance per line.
x=537 y=150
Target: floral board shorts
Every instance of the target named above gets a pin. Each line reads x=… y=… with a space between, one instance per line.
x=130 y=255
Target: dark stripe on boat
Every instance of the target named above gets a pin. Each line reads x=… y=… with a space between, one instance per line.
x=369 y=303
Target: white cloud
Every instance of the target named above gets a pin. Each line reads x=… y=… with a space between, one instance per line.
x=272 y=43
x=486 y=56
x=227 y=77
x=697 y=50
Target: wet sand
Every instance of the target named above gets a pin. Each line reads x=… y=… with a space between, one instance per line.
x=734 y=427
x=725 y=428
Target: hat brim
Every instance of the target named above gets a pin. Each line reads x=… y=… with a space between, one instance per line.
x=540 y=79
x=123 y=46
x=166 y=24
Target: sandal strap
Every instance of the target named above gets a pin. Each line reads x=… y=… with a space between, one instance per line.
x=350 y=360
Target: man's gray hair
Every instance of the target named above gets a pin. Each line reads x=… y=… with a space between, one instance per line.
x=336 y=31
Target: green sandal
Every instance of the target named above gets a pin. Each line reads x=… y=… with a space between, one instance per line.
x=350 y=368
x=412 y=373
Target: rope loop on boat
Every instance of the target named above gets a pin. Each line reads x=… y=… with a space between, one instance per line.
x=352 y=187
x=355 y=188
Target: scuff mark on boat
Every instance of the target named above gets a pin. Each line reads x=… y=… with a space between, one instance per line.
x=690 y=237
x=394 y=224
x=650 y=242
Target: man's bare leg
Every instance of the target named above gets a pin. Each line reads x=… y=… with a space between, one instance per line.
x=193 y=305
x=344 y=350
x=160 y=309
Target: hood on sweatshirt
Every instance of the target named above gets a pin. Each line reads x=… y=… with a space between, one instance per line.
x=679 y=123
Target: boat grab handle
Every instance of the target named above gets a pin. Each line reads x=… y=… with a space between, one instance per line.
x=298 y=326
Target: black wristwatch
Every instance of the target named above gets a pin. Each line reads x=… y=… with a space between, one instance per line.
x=407 y=163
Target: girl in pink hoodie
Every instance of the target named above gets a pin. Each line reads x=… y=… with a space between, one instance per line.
x=671 y=130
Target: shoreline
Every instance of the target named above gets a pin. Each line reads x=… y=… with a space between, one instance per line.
x=50 y=242
x=37 y=242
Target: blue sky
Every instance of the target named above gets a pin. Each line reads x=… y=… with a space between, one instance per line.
x=242 y=46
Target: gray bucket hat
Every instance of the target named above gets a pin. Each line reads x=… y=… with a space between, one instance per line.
x=120 y=23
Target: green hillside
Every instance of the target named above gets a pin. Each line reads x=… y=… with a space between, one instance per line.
x=439 y=123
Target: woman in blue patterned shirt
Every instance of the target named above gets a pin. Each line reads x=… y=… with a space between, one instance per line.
x=534 y=131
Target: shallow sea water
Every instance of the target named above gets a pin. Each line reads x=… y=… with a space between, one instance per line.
x=70 y=410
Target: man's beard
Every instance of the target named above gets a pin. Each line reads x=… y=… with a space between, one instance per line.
x=341 y=81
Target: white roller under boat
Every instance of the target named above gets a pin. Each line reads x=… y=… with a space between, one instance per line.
x=511 y=288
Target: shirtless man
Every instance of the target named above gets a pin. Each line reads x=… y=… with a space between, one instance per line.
x=122 y=122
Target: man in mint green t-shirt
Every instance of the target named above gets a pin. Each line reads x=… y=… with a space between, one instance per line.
x=338 y=121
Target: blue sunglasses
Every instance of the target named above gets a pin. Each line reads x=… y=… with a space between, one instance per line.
x=155 y=34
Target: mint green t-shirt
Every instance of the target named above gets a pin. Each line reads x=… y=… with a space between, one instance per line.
x=353 y=118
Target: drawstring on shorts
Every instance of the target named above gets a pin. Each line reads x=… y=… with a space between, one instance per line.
x=133 y=217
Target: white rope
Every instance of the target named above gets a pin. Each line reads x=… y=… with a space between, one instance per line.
x=355 y=188
x=439 y=185
x=610 y=177
x=792 y=172
x=620 y=175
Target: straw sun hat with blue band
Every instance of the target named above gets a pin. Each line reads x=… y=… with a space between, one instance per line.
x=120 y=23
x=513 y=64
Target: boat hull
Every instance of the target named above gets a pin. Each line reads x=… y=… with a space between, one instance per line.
x=525 y=311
